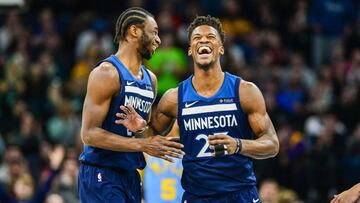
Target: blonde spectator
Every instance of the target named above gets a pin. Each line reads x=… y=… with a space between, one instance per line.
x=54 y=198
x=269 y=191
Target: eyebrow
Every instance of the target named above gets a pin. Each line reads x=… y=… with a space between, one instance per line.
x=206 y=34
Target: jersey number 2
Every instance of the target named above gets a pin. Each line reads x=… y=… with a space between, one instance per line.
x=203 y=152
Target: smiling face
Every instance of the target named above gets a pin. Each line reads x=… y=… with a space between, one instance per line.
x=205 y=46
x=149 y=39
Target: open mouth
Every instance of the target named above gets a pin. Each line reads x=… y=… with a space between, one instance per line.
x=154 y=47
x=204 y=50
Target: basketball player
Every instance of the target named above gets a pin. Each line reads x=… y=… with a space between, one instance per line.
x=161 y=181
x=223 y=123
x=351 y=195
x=111 y=156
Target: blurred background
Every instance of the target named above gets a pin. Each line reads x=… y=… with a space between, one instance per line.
x=304 y=55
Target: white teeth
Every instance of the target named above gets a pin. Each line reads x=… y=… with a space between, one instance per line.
x=204 y=50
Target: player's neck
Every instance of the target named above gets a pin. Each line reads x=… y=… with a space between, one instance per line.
x=208 y=82
x=130 y=58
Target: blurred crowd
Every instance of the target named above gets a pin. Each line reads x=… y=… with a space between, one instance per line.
x=304 y=55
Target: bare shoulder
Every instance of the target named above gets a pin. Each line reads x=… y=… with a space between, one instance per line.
x=169 y=102
x=247 y=87
x=104 y=70
x=104 y=78
x=171 y=95
x=251 y=98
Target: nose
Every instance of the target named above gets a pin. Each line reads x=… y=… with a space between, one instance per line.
x=204 y=39
x=158 y=40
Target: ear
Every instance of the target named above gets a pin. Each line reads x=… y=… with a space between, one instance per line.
x=189 y=51
x=134 y=31
x=221 y=50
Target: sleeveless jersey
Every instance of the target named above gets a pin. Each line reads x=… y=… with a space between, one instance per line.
x=140 y=94
x=198 y=117
x=162 y=181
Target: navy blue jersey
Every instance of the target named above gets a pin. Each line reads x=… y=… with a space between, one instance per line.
x=140 y=94
x=198 y=117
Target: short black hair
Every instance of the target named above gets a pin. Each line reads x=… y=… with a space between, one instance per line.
x=207 y=20
x=131 y=16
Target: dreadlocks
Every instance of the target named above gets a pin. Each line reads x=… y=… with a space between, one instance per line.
x=131 y=16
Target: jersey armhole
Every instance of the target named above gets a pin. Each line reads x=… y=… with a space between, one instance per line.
x=151 y=82
x=180 y=99
x=237 y=94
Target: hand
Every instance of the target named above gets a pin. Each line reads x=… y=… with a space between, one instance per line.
x=56 y=157
x=348 y=196
x=164 y=147
x=226 y=140
x=130 y=119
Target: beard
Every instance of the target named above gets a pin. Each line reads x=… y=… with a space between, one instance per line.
x=144 y=46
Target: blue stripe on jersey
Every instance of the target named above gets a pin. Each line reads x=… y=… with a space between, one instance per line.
x=139 y=93
x=199 y=117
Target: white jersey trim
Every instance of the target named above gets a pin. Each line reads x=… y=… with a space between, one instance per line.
x=142 y=92
x=209 y=109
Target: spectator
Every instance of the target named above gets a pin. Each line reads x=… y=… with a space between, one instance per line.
x=64 y=126
x=14 y=165
x=24 y=188
x=233 y=20
x=269 y=191
x=67 y=181
x=10 y=30
x=97 y=35
x=54 y=198
x=328 y=20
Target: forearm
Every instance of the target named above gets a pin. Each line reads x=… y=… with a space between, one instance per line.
x=100 y=138
x=148 y=132
x=356 y=189
x=262 y=148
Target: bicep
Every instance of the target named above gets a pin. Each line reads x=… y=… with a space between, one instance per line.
x=254 y=105
x=92 y=107
x=260 y=123
x=161 y=122
x=165 y=113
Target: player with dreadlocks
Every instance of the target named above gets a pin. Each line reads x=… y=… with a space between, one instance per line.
x=222 y=120
x=112 y=155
